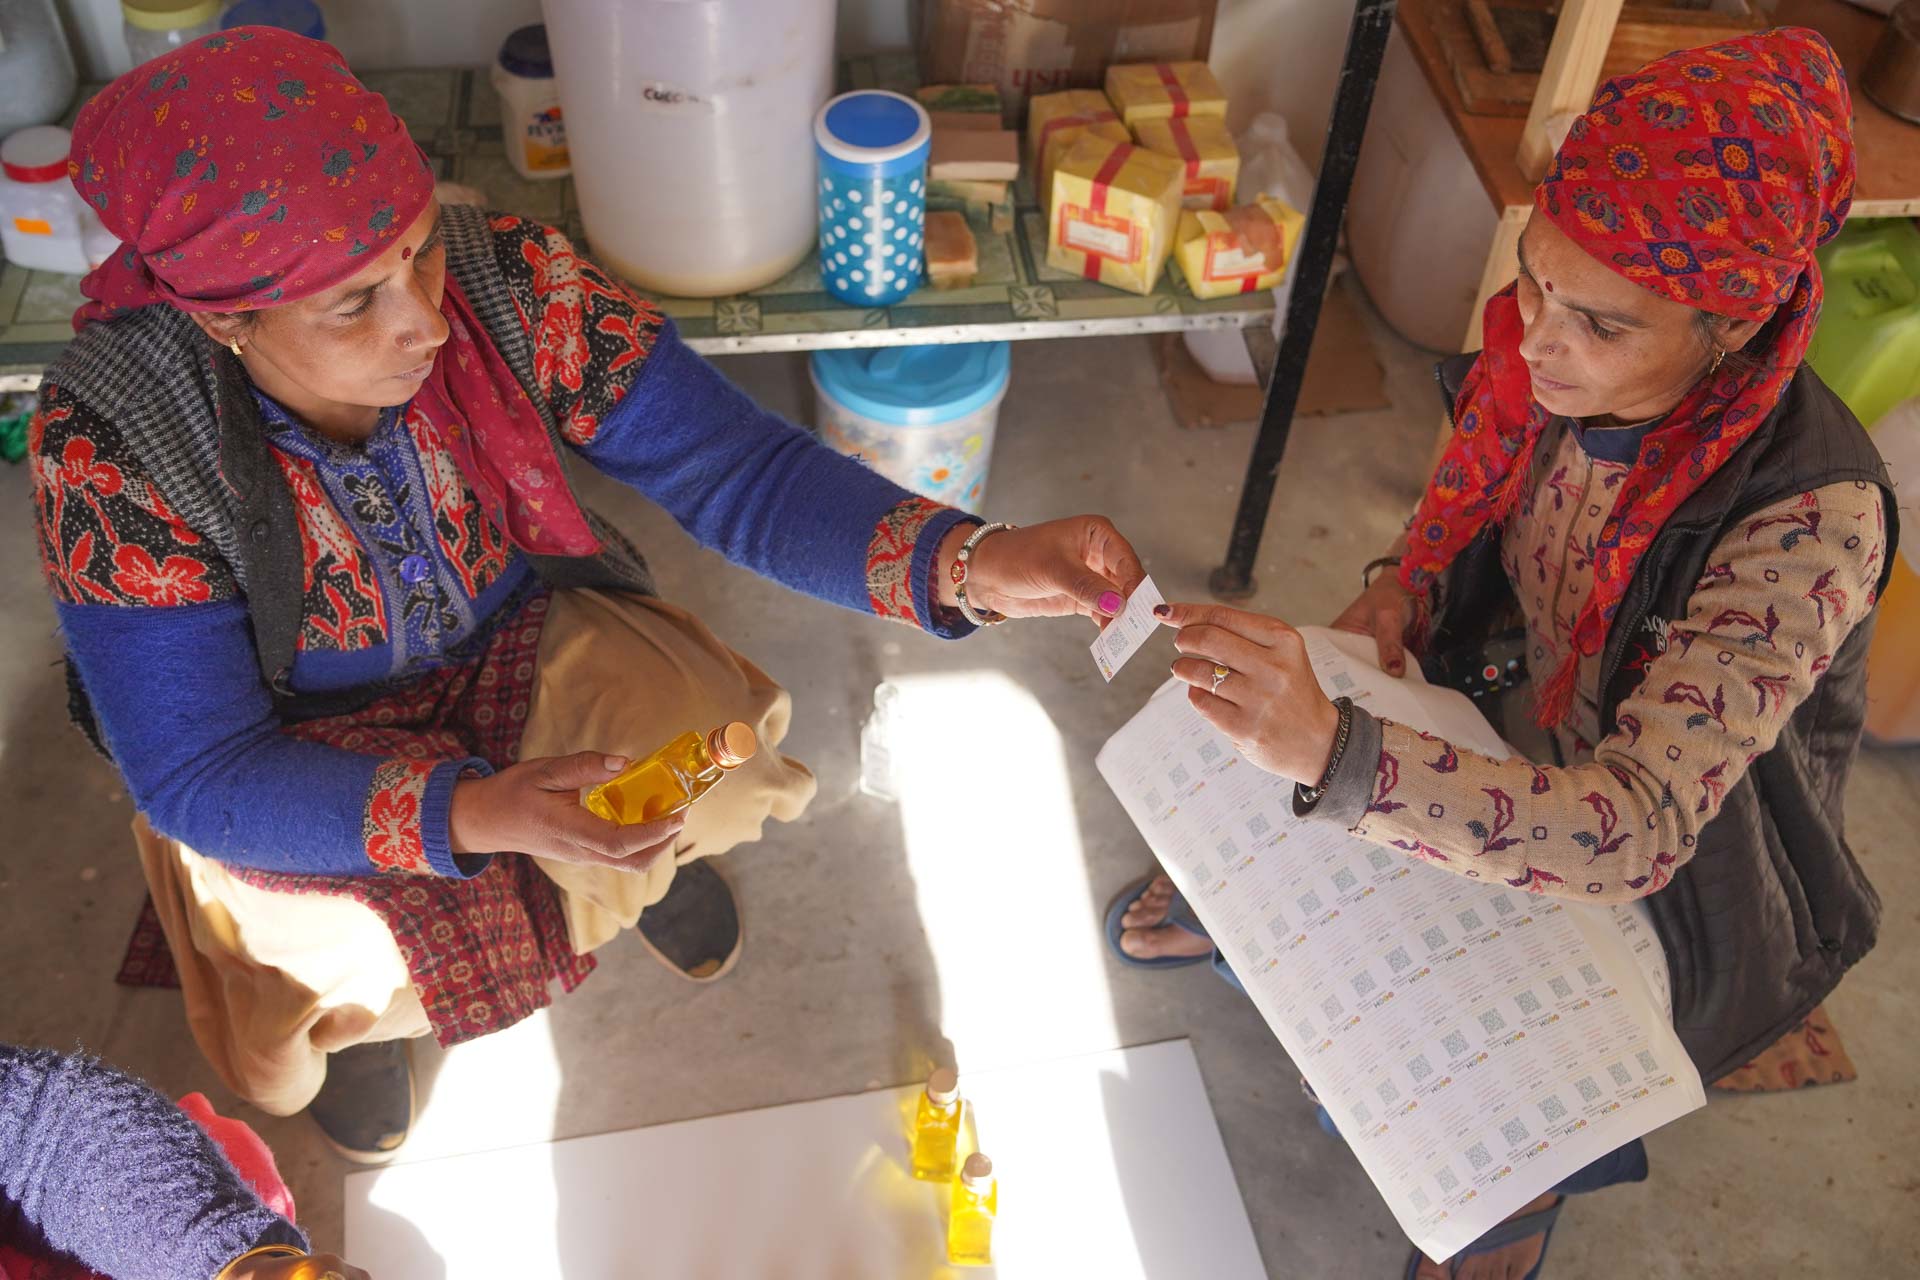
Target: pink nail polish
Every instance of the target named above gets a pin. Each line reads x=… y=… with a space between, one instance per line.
x=1110 y=602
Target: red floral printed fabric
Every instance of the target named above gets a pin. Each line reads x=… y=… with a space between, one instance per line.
x=471 y=543
x=392 y=826
x=890 y=559
x=345 y=609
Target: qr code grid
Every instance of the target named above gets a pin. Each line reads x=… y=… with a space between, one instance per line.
x=1179 y=777
x=1529 y=1003
x=1342 y=681
x=1362 y=1114
x=1153 y=800
x=1469 y=920
x=1344 y=880
x=1647 y=1062
x=1589 y=975
x=1514 y=1131
x=1420 y=1068
x=1304 y=1029
x=1363 y=983
x=1435 y=938
x=1418 y=1198
x=1455 y=1044
x=1331 y=1007
x=1278 y=927
x=1477 y=1156
x=1258 y=825
x=1209 y=752
x=1561 y=988
x=1379 y=859
x=1227 y=850
x=1447 y=1178
x=1621 y=1076
x=1502 y=906
x=1253 y=952
x=1309 y=903
x=1553 y=1109
x=1491 y=1021
x=1589 y=1088
x=1389 y=1092
x=1398 y=959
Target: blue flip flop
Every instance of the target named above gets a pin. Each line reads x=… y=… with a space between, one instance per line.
x=1178 y=913
x=1509 y=1232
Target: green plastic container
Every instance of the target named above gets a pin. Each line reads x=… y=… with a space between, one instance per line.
x=1867 y=347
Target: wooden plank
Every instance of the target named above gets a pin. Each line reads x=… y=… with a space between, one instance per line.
x=1502 y=266
x=1567 y=82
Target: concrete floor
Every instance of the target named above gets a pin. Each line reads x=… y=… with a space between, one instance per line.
x=863 y=963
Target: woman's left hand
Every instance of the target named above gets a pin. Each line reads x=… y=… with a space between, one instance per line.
x=1078 y=565
x=1269 y=702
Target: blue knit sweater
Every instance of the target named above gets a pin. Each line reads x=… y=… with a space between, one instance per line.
x=95 y=1165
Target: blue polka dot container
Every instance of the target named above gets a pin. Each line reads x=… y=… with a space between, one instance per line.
x=873 y=196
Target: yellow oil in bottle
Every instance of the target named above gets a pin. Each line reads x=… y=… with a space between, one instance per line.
x=936 y=1127
x=976 y=1199
x=674 y=776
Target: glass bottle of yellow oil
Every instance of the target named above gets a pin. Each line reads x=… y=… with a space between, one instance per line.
x=936 y=1127
x=975 y=1202
x=674 y=776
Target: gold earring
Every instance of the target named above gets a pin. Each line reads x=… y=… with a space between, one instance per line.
x=1719 y=354
x=233 y=345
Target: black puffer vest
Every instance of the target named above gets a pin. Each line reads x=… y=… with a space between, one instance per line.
x=1772 y=909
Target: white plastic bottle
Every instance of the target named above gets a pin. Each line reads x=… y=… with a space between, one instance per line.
x=690 y=127
x=531 y=123
x=44 y=224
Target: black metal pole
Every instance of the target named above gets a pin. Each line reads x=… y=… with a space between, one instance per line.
x=1352 y=100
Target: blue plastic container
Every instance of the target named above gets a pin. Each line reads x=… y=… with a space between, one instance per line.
x=302 y=17
x=923 y=417
x=872 y=148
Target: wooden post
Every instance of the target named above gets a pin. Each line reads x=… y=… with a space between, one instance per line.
x=1502 y=266
x=1567 y=82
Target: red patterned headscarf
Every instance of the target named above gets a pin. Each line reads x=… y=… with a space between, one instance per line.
x=1708 y=177
x=249 y=169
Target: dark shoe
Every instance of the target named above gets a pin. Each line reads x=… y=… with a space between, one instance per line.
x=365 y=1109
x=694 y=930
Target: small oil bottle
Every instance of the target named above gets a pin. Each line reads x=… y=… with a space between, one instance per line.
x=975 y=1202
x=936 y=1127
x=674 y=776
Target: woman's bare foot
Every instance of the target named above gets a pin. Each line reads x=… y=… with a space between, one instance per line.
x=1148 y=936
x=1511 y=1262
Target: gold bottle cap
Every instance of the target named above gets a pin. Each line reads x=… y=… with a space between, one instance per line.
x=976 y=1170
x=943 y=1086
x=732 y=745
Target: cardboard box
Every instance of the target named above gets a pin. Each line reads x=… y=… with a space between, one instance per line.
x=1244 y=250
x=965 y=121
x=974 y=155
x=1164 y=91
x=1204 y=146
x=1027 y=47
x=1116 y=207
x=1055 y=122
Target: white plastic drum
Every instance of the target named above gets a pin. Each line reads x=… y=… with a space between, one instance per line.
x=689 y=124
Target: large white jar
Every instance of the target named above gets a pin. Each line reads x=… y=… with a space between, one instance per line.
x=689 y=123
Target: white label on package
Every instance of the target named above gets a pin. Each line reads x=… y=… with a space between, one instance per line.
x=1125 y=634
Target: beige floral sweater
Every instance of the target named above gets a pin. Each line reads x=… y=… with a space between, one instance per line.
x=1780 y=593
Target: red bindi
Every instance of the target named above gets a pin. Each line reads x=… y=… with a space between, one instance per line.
x=405 y=254
x=1549 y=285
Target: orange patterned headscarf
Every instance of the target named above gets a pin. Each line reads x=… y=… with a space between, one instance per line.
x=1709 y=177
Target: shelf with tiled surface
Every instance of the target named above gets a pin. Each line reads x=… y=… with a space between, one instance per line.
x=454 y=115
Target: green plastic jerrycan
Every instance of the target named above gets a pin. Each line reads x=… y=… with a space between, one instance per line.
x=1867 y=347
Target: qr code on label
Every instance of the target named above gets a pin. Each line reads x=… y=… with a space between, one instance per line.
x=1418 y=1198
x=1389 y=1092
x=1342 y=681
x=1179 y=777
x=1420 y=1068
x=1258 y=825
x=1553 y=1109
x=1209 y=752
x=1529 y=1003
x=1589 y=975
x=1344 y=879
x=1469 y=919
x=1303 y=1029
x=1477 y=1156
x=1361 y=1113
x=1491 y=1021
x=1152 y=800
x=1561 y=988
x=1228 y=851
x=1647 y=1062
x=1455 y=1044
x=1502 y=906
x=1309 y=902
x=1435 y=938
x=1363 y=983
x=1254 y=952
x=1589 y=1088
x=1331 y=1008
x=1379 y=859
x=1514 y=1131
x=1398 y=959
x=1278 y=927
x=1447 y=1178
x=1621 y=1076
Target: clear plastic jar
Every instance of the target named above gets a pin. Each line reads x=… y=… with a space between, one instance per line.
x=156 y=27
x=36 y=66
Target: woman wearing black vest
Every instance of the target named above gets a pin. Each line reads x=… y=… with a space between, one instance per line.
x=1691 y=534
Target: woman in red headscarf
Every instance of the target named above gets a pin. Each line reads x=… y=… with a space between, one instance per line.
x=338 y=616
x=1691 y=533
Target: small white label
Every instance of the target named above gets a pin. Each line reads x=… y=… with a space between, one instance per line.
x=1124 y=635
x=1237 y=262
x=1088 y=238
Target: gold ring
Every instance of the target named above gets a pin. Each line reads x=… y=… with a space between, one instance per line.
x=1220 y=674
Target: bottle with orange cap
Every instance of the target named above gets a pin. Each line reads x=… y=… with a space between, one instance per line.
x=674 y=776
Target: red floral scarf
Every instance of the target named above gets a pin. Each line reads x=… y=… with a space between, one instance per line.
x=1709 y=177
x=249 y=169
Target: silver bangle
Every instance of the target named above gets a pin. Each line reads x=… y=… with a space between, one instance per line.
x=963 y=567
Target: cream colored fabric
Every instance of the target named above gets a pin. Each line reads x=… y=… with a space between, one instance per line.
x=274 y=982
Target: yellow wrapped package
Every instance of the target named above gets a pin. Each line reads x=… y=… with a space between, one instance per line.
x=1055 y=122
x=1164 y=91
x=1115 y=209
x=1243 y=250
x=1204 y=146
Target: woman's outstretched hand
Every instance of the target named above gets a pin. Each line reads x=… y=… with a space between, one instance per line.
x=1385 y=611
x=1269 y=703
x=1078 y=565
x=534 y=807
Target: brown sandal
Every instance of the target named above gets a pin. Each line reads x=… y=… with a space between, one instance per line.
x=695 y=930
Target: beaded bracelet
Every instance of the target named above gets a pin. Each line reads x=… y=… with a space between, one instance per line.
x=962 y=566
x=1310 y=796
